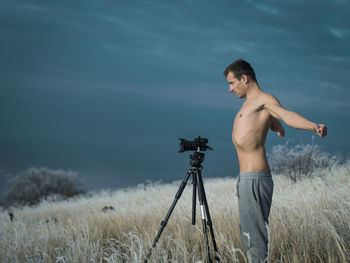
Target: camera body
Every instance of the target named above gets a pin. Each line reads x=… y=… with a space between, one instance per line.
x=198 y=144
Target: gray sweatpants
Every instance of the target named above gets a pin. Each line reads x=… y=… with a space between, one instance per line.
x=254 y=192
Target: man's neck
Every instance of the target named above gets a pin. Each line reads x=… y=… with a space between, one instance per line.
x=253 y=91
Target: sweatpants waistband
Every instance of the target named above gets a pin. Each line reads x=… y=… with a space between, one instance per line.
x=254 y=175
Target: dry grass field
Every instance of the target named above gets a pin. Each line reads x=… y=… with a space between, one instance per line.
x=309 y=222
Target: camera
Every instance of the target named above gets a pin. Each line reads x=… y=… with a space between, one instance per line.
x=198 y=144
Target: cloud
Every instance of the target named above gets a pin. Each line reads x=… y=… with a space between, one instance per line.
x=267 y=9
x=33 y=7
x=175 y=44
x=338 y=32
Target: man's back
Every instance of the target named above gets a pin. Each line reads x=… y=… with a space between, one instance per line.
x=249 y=133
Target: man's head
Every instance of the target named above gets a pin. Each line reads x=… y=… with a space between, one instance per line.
x=241 y=67
x=239 y=75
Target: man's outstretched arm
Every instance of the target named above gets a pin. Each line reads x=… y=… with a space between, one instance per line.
x=291 y=118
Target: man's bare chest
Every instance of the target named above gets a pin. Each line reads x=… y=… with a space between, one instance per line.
x=249 y=112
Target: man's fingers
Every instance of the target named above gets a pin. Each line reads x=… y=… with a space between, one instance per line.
x=321 y=130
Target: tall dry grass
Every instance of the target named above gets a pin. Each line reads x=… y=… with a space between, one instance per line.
x=309 y=222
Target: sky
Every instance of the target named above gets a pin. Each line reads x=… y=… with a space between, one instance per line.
x=106 y=88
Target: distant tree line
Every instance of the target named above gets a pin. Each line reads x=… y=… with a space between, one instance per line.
x=301 y=161
x=35 y=184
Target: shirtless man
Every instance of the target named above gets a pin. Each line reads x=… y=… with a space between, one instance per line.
x=258 y=114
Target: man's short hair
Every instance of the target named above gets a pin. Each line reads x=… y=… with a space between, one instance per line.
x=240 y=67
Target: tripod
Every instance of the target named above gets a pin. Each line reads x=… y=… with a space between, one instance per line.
x=196 y=159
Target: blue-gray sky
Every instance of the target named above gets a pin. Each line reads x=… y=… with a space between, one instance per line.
x=105 y=88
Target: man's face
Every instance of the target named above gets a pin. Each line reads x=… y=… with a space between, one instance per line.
x=236 y=86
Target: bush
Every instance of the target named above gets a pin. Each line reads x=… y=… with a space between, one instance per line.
x=34 y=184
x=301 y=161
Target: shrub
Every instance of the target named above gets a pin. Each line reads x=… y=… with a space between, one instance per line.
x=34 y=184
x=300 y=161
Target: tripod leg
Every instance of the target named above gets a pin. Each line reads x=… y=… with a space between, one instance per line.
x=194 y=182
x=204 y=220
x=210 y=223
x=165 y=221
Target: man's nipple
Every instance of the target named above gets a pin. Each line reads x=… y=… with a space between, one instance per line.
x=240 y=115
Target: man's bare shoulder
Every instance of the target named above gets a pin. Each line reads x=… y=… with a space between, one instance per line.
x=268 y=99
x=273 y=106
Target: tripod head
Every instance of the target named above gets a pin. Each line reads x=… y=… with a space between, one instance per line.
x=196 y=159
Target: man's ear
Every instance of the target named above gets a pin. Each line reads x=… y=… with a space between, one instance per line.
x=244 y=78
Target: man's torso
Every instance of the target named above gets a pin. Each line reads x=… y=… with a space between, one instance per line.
x=250 y=128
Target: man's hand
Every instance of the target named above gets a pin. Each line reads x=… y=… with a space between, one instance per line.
x=276 y=126
x=281 y=132
x=320 y=129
